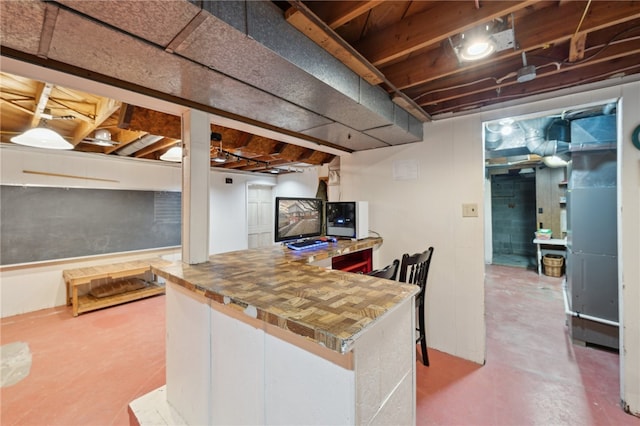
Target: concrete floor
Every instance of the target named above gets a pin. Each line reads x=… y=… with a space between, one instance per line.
x=528 y=262
x=86 y=370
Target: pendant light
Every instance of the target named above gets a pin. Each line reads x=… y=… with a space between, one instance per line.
x=42 y=137
x=220 y=155
x=174 y=154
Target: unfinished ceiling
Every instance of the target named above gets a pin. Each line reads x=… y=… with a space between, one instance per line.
x=352 y=75
x=101 y=125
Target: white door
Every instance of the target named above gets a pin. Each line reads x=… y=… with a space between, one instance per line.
x=260 y=216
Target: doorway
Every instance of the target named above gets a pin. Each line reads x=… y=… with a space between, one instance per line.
x=259 y=216
x=570 y=152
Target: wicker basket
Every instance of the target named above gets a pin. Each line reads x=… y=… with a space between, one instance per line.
x=553 y=265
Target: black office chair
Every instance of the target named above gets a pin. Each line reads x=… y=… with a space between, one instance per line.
x=414 y=269
x=389 y=272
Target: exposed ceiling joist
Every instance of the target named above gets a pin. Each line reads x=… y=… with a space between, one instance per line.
x=42 y=98
x=431 y=27
x=404 y=47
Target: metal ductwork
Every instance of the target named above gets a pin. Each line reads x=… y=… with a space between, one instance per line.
x=493 y=137
x=535 y=137
x=280 y=60
x=241 y=58
x=143 y=142
x=547 y=137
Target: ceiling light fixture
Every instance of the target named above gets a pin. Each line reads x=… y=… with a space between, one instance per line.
x=221 y=156
x=42 y=137
x=174 y=154
x=480 y=42
x=477 y=47
x=476 y=44
x=506 y=130
x=102 y=138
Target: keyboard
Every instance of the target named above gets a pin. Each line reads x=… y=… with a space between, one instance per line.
x=307 y=244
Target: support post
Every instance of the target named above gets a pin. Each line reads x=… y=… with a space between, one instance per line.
x=196 y=131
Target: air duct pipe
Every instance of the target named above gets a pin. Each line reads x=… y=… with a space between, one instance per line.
x=493 y=138
x=535 y=138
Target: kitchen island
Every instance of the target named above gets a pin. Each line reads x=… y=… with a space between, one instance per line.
x=264 y=336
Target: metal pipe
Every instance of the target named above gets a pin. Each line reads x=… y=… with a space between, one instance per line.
x=568 y=311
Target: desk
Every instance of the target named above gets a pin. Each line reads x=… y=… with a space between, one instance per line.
x=551 y=242
x=262 y=336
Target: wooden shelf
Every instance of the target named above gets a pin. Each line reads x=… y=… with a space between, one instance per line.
x=88 y=303
x=74 y=278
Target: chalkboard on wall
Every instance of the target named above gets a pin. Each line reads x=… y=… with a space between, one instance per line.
x=44 y=223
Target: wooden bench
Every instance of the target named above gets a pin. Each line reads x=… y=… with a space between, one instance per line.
x=74 y=278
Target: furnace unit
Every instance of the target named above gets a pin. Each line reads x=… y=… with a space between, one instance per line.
x=592 y=263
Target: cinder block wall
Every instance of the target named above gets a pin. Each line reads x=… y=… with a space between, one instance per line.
x=513 y=209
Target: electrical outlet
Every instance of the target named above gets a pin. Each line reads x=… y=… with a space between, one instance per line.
x=469 y=210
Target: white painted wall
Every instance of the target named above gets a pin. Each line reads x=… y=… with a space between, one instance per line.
x=127 y=173
x=298 y=184
x=413 y=214
x=228 y=209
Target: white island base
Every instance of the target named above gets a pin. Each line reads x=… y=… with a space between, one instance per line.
x=225 y=367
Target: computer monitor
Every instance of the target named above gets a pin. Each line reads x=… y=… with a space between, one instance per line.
x=349 y=219
x=297 y=218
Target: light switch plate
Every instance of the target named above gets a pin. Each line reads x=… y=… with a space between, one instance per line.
x=469 y=210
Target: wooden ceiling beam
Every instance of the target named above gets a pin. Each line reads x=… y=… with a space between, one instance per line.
x=259 y=145
x=545 y=68
x=318 y=157
x=154 y=122
x=336 y=14
x=241 y=141
x=104 y=109
x=431 y=27
x=245 y=144
x=559 y=23
x=43 y=92
x=231 y=138
x=279 y=147
x=578 y=43
x=542 y=84
x=12 y=103
x=294 y=153
x=332 y=44
x=441 y=62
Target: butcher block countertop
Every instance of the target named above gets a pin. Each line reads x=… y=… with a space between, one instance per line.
x=279 y=286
